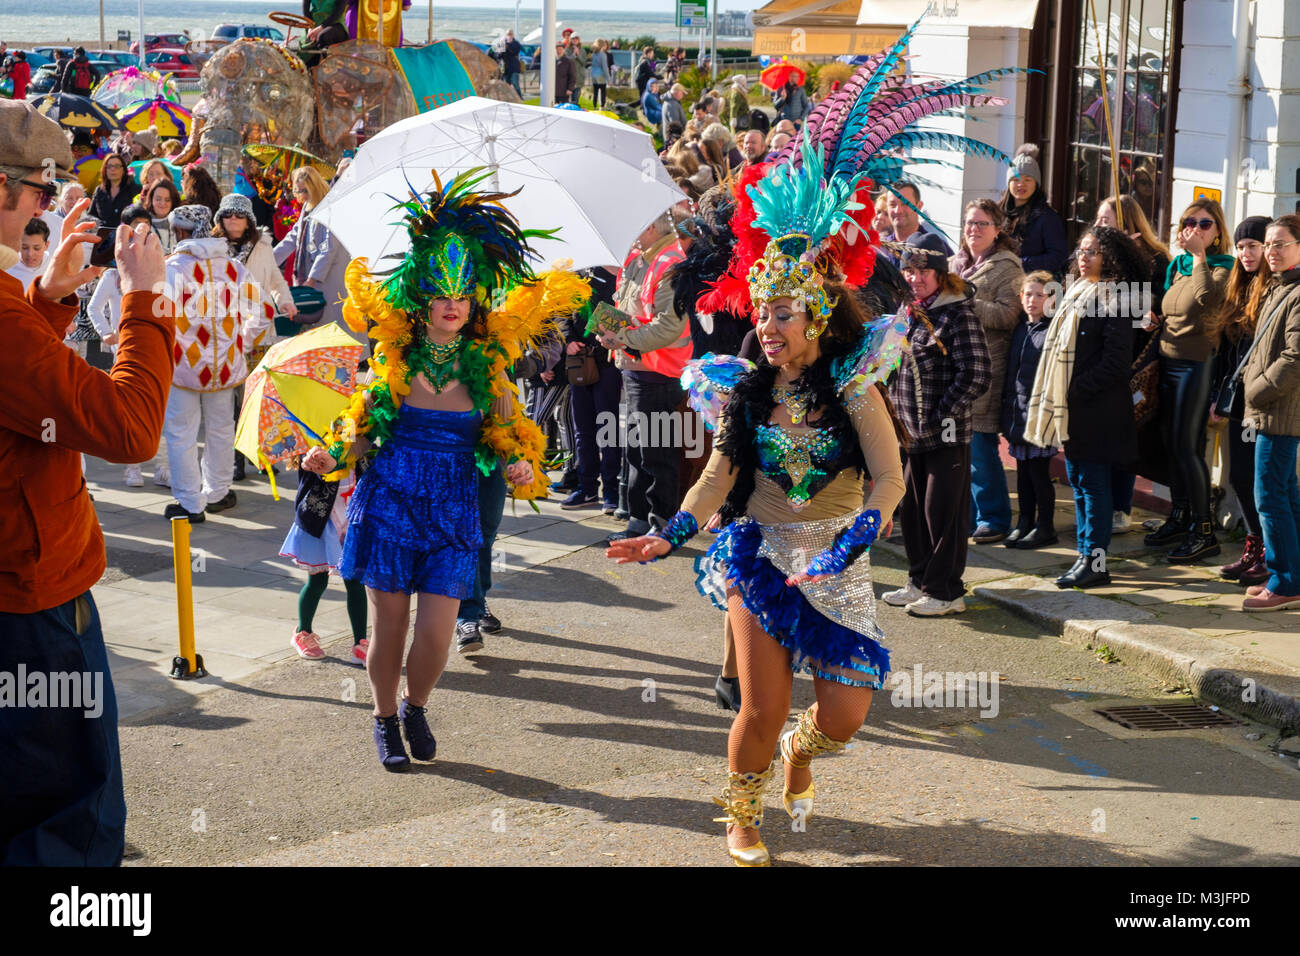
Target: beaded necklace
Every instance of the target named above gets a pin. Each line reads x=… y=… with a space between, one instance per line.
x=437 y=362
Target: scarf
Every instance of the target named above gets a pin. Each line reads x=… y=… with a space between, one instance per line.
x=1048 y=422
x=1182 y=266
x=966 y=265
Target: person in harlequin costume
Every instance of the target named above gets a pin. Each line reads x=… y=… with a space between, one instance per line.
x=806 y=469
x=447 y=323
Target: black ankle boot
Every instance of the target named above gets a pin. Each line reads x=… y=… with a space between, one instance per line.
x=727 y=690
x=1039 y=537
x=1198 y=543
x=1017 y=533
x=1175 y=527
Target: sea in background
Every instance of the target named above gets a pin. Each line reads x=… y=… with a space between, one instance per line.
x=65 y=20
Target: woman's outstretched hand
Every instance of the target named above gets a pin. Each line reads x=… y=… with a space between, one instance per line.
x=645 y=548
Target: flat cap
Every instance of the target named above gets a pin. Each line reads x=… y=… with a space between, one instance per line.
x=29 y=140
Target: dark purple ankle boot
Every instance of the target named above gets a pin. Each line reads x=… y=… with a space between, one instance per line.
x=388 y=740
x=418 y=734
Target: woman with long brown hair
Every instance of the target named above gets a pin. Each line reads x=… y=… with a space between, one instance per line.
x=1247 y=285
x=989 y=261
x=1272 y=385
x=1189 y=335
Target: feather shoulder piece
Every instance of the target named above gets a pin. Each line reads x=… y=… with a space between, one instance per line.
x=709 y=382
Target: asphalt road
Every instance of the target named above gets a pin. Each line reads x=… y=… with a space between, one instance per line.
x=588 y=734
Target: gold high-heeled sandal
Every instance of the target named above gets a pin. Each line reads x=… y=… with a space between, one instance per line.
x=743 y=801
x=812 y=742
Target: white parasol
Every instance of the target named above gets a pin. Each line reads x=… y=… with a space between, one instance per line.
x=597 y=179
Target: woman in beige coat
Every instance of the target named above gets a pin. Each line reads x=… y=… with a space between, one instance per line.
x=1271 y=382
x=989 y=260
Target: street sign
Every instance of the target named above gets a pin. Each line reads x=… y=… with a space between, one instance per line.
x=692 y=13
x=123 y=36
x=1206 y=193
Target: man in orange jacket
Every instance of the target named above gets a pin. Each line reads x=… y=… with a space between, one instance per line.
x=61 y=800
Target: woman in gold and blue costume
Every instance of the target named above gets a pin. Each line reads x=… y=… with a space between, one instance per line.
x=447 y=324
x=806 y=469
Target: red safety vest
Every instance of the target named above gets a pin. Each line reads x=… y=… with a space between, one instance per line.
x=671 y=359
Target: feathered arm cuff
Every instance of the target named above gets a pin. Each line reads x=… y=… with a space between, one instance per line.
x=849 y=545
x=709 y=381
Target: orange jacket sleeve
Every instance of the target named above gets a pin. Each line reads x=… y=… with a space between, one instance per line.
x=51 y=394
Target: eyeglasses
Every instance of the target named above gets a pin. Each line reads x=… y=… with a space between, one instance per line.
x=1087 y=253
x=1278 y=245
x=978 y=224
x=48 y=192
x=1197 y=223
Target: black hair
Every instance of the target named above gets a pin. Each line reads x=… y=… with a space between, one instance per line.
x=1121 y=258
x=37 y=227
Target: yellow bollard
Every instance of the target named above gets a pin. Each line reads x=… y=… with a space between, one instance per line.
x=189 y=664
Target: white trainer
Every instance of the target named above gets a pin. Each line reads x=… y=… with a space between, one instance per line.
x=904 y=596
x=162 y=477
x=133 y=477
x=932 y=607
x=1121 y=523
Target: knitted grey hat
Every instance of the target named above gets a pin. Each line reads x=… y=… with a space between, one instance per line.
x=1025 y=165
x=236 y=205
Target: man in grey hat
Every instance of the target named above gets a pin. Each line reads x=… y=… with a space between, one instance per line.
x=62 y=803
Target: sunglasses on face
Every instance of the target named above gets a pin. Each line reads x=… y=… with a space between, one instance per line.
x=48 y=192
x=1197 y=223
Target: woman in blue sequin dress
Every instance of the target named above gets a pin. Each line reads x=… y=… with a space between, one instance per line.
x=440 y=410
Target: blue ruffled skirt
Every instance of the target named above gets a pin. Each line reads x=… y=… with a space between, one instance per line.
x=413 y=521
x=829 y=627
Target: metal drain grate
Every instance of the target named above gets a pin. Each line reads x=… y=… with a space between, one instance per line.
x=1169 y=717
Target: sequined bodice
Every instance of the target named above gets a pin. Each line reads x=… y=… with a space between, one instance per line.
x=802 y=462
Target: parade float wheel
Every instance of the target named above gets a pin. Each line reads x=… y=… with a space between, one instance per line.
x=291 y=20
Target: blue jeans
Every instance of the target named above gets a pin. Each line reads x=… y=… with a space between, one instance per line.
x=491 y=506
x=1277 y=496
x=61 y=802
x=990 y=503
x=1093 y=505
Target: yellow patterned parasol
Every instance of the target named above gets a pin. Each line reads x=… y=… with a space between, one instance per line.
x=294 y=394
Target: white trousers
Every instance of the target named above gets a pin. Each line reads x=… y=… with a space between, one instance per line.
x=185 y=410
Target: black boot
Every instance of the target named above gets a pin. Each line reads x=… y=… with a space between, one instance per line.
x=727 y=690
x=1198 y=543
x=240 y=463
x=1021 y=529
x=1066 y=580
x=1040 y=537
x=1175 y=527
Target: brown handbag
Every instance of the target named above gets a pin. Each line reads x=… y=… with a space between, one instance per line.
x=581 y=368
x=1145 y=382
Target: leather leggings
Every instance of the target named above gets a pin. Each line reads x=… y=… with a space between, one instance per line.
x=1184 y=413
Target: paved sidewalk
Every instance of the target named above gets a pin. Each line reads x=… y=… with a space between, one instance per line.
x=245 y=594
x=1180 y=623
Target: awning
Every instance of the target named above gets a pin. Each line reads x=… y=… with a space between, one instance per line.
x=813 y=41
x=1016 y=14
x=819 y=28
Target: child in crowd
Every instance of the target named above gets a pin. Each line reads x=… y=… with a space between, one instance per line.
x=1037 y=496
x=315 y=543
x=31 y=251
